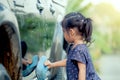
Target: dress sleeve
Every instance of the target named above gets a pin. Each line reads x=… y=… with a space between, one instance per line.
x=79 y=56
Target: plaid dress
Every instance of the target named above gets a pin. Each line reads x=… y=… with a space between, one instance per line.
x=80 y=54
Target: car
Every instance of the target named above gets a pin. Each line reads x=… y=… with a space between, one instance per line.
x=38 y=23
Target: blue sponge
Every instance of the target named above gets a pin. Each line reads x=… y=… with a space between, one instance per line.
x=29 y=68
x=41 y=69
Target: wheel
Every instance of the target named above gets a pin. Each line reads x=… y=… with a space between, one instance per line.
x=10 y=52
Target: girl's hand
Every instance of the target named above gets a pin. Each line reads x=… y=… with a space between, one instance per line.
x=48 y=64
x=26 y=61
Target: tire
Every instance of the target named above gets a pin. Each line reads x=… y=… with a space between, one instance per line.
x=10 y=51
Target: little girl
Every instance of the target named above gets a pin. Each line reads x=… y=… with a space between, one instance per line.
x=77 y=31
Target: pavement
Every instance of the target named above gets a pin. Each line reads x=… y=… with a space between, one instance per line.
x=110 y=67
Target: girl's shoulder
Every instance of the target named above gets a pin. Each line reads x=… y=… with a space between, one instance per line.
x=81 y=47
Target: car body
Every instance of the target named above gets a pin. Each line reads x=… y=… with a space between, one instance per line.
x=37 y=22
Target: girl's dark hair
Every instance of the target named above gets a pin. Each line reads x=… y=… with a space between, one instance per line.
x=84 y=25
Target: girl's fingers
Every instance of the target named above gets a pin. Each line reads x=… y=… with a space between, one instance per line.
x=29 y=61
x=47 y=63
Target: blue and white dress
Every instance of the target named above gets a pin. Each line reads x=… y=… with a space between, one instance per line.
x=80 y=54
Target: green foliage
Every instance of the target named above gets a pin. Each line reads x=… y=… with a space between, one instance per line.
x=77 y=6
x=101 y=41
x=37 y=32
x=116 y=40
x=107 y=24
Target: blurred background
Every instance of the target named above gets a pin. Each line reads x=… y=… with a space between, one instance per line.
x=39 y=26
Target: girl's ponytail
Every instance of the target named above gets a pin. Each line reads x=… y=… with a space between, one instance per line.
x=87 y=29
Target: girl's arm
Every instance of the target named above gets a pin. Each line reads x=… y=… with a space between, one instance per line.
x=61 y=63
x=82 y=71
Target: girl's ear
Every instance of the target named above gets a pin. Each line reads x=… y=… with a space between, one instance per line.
x=71 y=32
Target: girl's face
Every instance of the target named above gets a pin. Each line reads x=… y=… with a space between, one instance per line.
x=72 y=35
x=67 y=36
